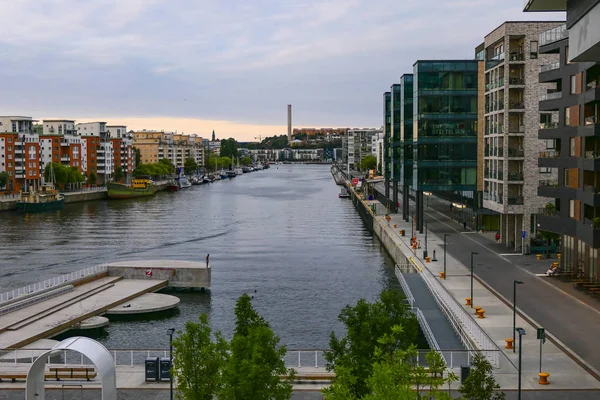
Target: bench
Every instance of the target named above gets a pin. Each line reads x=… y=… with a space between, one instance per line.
x=61 y=373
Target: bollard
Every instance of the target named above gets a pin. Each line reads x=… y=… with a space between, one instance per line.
x=442 y=275
x=468 y=300
x=427 y=259
x=543 y=378
x=394 y=225
x=539 y=256
x=477 y=309
x=480 y=314
x=558 y=255
x=509 y=343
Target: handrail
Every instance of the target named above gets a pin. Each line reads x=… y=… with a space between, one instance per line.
x=427 y=331
x=463 y=319
x=51 y=283
x=405 y=288
x=10 y=307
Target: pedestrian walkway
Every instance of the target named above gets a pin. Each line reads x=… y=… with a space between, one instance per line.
x=565 y=372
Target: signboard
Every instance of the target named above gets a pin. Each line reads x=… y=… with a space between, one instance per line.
x=541 y=334
x=523 y=234
x=354 y=181
x=149 y=273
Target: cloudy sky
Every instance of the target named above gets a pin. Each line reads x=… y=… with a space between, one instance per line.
x=228 y=65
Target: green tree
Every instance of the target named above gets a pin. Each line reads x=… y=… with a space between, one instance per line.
x=92 y=178
x=3 y=179
x=118 y=174
x=364 y=322
x=245 y=161
x=167 y=163
x=190 y=166
x=137 y=154
x=224 y=162
x=369 y=162
x=255 y=364
x=61 y=174
x=198 y=361
x=229 y=148
x=480 y=384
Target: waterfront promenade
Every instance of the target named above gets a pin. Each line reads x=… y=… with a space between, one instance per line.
x=565 y=318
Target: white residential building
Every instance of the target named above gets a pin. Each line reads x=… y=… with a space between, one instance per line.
x=360 y=145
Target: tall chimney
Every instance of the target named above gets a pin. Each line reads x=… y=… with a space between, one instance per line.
x=289 y=123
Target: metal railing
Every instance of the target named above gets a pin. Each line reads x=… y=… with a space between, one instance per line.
x=591 y=120
x=516 y=81
x=17 y=305
x=427 y=331
x=553 y=35
x=548 y=182
x=405 y=288
x=592 y=154
x=548 y=211
x=549 y=154
x=550 y=67
x=471 y=334
x=51 y=283
x=550 y=96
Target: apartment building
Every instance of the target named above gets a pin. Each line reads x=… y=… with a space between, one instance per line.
x=511 y=172
x=60 y=144
x=19 y=153
x=583 y=25
x=97 y=150
x=360 y=145
x=570 y=125
x=122 y=144
x=156 y=145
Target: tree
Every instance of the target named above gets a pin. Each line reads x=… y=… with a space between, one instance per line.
x=137 y=155
x=198 y=361
x=92 y=178
x=394 y=376
x=245 y=161
x=61 y=174
x=369 y=162
x=480 y=384
x=3 y=179
x=229 y=148
x=118 y=174
x=168 y=164
x=364 y=322
x=255 y=364
x=224 y=162
x=190 y=166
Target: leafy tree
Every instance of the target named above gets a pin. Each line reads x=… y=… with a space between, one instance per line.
x=224 y=162
x=93 y=178
x=190 y=166
x=137 y=155
x=551 y=237
x=3 y=179
x=118 y=174
x=198 y=361
x=480 y=384
x=369 y=162
x=245 y=161
x=229 y=148
x=169 y=164
x=255 y=364
x=61 y=174
x=364 y=322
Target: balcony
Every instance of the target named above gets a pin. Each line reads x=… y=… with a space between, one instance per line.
x=549 y=154
x=554 y=35
x=494 y=61
x=550 y=67
x=515 y=176
x=515 y=200
x=516 y=153
x=549 y=125
x=516 y=81
x=589 y=231
x=514 y=129
x=65 y=143
x=548 y=188
x=65 y=158
x=551 y=96
x=516 y=56
x=516 y=105
x=493 y=197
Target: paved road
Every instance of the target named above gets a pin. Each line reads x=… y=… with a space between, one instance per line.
x=567 y=318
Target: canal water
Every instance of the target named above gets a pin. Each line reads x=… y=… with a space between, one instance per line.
x=282 y=232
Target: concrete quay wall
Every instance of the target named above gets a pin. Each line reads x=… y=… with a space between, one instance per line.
x=179 y=274
x=78 y=197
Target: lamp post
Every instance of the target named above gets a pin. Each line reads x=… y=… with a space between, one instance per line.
x=521 y=332
x=515 y=283
x=472 y=254
x=170 y=333
x=425 y=254
x=445 y=235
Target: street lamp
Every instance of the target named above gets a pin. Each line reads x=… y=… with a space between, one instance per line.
x=472 y=254
x=170 y=333
x=445 y=235
x=425 y=251
x=521 y=332
x=515 y=283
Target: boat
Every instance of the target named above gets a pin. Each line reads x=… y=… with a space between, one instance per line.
x=344 y=194
x=140 y=187
x=245 y=170
x=231 y=174
x=47 y=198
x=238 y=171
x=207 y=179
x=184 y=182
x=173 y=186
x=223 y=174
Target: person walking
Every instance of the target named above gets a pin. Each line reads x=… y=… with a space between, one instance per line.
x=207 y=257
x=498 y=237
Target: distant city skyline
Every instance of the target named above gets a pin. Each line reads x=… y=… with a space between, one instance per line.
x=196 y=66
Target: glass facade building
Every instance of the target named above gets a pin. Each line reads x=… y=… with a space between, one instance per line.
x=387 y=135
x=444 y=128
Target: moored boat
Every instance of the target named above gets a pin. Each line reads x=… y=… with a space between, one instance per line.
x=173 y=186
x=231 y=174
x=46 y=199
x=184 y=182
x=344 y=194
x=140 y=187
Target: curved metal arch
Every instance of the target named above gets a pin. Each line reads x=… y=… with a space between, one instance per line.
x=96 y=352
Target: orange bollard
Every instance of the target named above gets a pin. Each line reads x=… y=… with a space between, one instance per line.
x=509 y=343
x=468 y=300
x=543 y=378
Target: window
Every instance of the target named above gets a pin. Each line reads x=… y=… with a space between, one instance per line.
x=567 y=117
x=571 y=208
x=550 y=144
x=573 y=84
x=545 y=170
x=567 y=55
x=533 y=49
x=572 y=147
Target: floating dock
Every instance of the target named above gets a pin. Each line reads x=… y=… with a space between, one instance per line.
x=74 y=301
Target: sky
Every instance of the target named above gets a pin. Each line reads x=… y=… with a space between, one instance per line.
x=230 y=65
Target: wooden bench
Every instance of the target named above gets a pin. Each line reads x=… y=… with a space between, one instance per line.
x=13 y=377
x=61 y=373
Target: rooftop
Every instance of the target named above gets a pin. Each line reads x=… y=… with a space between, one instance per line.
x=545 y=5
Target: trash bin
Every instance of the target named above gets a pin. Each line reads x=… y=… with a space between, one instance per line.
x=152 y=369
x=165 y=369
x=465 y=370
